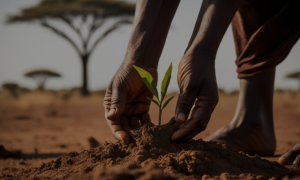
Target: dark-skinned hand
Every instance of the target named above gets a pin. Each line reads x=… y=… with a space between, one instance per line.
x=198 y=88
x=291 y=157
x=126 y=104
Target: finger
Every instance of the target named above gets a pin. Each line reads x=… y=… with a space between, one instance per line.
x=297 y=160
x=115 y=101
x=145 y=118
x=136 y=109
x=176 y=125
x=117 y=130
x=200 y=117
x=125 y=124
x=289 y=157
x=172 y=121
x=134 y=123
x=185 y=103
x=187 y=132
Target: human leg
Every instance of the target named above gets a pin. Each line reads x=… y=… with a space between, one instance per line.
x=252 y=129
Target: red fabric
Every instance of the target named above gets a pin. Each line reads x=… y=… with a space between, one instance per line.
x=264 y=32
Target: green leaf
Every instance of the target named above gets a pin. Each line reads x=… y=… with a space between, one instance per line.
x=148 y=80
x=167 y=102
x=153 y=101
x=165 y=83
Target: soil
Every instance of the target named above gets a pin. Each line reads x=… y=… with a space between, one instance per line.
x=152 y=145
x=46 y=127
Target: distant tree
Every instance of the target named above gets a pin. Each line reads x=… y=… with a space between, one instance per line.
x=294 y=75
x=84 y=17
x=12 y=88
x=40 y=76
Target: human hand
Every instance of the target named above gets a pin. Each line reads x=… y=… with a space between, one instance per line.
x=125 y=103
x=198 y=87
x=291 y=157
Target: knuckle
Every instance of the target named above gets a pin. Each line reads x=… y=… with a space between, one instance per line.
x=186 y=102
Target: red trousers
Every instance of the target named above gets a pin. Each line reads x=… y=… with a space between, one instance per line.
x=264 y=32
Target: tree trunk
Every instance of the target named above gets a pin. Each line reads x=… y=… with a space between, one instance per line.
x=84 y=88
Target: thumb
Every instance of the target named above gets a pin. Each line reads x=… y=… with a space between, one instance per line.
x=184 y=105
x=115 y=102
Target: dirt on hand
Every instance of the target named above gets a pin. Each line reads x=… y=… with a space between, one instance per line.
x=152 y=145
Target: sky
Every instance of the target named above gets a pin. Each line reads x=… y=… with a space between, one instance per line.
x=27 y=46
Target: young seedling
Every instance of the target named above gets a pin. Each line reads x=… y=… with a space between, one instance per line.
x=150 y=83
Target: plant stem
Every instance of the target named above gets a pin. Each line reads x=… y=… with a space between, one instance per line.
x=159 y=118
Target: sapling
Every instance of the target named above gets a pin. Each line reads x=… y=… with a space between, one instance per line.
x=150 y=83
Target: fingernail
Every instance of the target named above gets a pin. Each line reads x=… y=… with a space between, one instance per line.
x=111 y=112
x=181 y=117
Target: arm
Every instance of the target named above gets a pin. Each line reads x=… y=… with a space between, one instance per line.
x=196 y=71
x=126 y=104
x=150 y=29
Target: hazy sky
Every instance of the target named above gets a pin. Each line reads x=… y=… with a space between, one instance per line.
x=25 y=47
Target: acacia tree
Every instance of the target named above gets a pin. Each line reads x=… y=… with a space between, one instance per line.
x=12 y=88
x=294 y=75
x=84 y=17
x=40 y=76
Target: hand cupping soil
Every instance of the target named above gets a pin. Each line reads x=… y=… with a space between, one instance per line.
x=152 y=145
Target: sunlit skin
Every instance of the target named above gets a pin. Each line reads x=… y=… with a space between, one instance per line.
x=126 y=103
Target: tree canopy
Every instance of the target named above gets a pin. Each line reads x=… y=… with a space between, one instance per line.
x=41 y=76
x=66 y=8
x=12 y=88
x=42 y=72
x=84 y=17
x=293 y=75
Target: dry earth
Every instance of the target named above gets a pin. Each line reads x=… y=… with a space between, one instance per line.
x=46 y=125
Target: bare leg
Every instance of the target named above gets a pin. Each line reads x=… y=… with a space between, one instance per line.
x=252 y=129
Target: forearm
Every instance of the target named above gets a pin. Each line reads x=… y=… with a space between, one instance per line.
x=151 y=24
x=212 y=23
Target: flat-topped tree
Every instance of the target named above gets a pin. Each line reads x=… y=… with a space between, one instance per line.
x=84 y=17
x=12 y=88
x=294 y=75
x=40 y=76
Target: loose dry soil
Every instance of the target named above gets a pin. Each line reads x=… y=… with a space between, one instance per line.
x=152 y=147
x=54 y=136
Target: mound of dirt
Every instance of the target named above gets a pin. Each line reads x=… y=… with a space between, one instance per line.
x=128 y=171
x=152 y=145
